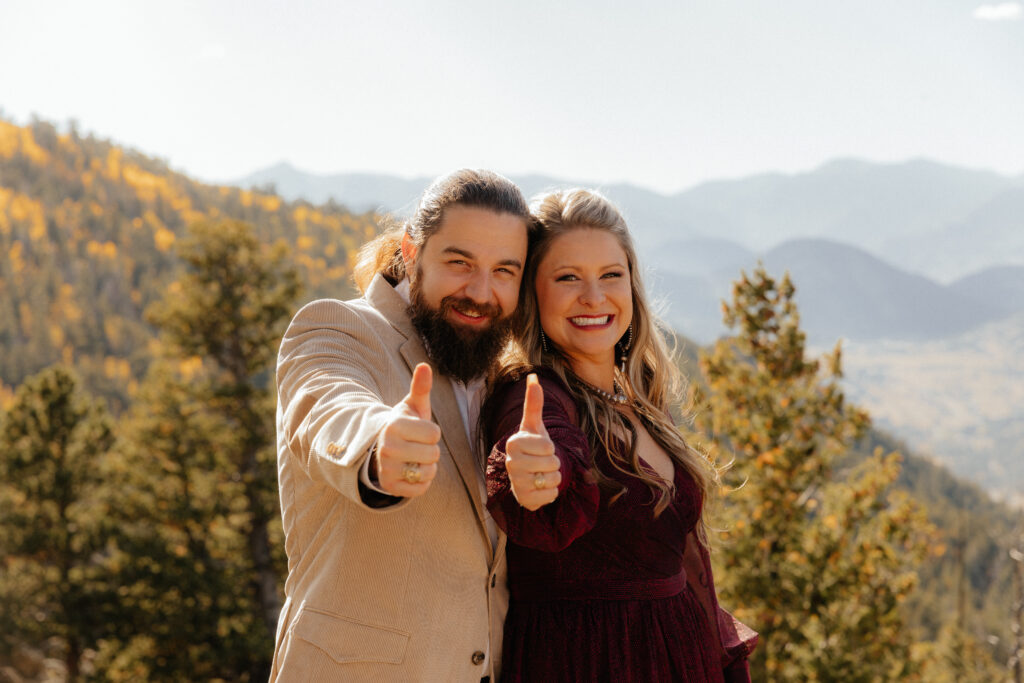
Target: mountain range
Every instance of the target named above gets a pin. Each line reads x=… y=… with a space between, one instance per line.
x=916 y=250
x=906 y=262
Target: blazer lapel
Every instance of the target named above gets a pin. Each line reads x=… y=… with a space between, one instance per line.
x=383 y=297
x=446 y=413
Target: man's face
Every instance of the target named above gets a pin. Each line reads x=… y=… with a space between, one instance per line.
x=465 y=285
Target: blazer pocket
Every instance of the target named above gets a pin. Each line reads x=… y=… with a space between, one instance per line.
x=346 y=640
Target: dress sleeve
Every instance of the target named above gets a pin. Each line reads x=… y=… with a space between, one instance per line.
x=573 y=513
x=736 y=639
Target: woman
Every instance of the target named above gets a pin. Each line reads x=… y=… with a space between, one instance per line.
x=600 y=496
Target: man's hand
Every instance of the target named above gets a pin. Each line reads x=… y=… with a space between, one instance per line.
x=407 y=452
x=533 y=467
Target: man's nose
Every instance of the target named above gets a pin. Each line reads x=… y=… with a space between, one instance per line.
x=478 y=288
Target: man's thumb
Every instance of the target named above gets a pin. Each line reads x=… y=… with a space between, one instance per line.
x=419 y=391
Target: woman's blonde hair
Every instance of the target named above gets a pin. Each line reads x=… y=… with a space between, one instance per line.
x=649 y=377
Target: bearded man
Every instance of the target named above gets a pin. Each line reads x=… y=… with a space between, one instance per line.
x=395 y=570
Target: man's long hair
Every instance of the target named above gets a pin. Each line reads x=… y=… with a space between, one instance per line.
x=465 y=187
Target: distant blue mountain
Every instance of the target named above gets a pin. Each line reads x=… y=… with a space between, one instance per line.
x=843 y=291
x=869 y=245
x=1001 y=287
x=846 y=292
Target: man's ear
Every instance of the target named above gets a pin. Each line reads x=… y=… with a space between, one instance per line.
x=408 y=252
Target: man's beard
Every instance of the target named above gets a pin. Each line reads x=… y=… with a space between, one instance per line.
x=458 y=350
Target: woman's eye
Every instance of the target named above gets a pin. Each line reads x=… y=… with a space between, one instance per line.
x=566 y=278
x=613 y=273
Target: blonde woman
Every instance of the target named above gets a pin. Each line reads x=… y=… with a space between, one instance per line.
x=601 y=498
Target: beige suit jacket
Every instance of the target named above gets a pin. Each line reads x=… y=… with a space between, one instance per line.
x=410 y=592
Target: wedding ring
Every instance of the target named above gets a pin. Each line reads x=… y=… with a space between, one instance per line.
x=539 y=481
x=411 y=472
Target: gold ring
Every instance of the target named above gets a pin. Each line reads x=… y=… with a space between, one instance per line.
x=411 y=472
x=539 y=481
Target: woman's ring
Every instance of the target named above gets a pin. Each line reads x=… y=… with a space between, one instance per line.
x=539 y=480
x=411 y=472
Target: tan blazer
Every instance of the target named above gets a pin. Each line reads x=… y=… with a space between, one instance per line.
x=410 y=592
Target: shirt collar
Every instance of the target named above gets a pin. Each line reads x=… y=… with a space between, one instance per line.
x=402 y=288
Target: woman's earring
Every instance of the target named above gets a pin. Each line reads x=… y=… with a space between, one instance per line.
x=624 y=348
x=543 y=341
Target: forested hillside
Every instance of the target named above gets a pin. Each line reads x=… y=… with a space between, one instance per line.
x=87 y=237
x=139 y=534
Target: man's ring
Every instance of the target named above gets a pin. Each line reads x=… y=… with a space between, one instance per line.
x=539 y=480
x=411 y=472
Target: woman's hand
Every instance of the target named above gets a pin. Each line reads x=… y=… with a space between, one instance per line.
x=530 y=460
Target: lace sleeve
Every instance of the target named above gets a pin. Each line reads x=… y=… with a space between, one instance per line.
x=556 y=525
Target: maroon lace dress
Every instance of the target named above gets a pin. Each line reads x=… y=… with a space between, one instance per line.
x=605 y=592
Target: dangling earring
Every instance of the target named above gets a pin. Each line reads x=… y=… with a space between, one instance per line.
x=624 y=348
x=543 y=341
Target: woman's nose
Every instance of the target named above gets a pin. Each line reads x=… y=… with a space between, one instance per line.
x=592 y=294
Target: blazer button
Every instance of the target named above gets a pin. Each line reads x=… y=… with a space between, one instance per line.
x=478 y=657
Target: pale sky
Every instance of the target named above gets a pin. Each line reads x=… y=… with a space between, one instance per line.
x=663 y=94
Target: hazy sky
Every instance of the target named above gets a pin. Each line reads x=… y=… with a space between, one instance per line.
x=663 y=94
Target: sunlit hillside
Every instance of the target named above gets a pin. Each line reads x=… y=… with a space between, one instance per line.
x=87 y=230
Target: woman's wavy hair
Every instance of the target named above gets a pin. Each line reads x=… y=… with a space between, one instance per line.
x=467 y=187
x=649 y=377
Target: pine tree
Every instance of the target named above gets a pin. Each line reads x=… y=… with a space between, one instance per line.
x=55 y=577
x=226 y=315
x=185 y=608
x=819 y=551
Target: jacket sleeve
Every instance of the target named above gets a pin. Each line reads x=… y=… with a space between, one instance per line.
x=735 y=639
x=574 y=512
x=331 y=406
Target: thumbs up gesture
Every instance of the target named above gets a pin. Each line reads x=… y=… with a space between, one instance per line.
x=407 y=450
x=530 y=460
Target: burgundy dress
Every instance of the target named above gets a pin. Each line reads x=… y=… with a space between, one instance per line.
x=605 y=592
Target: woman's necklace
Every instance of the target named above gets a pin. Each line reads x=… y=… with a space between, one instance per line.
x=618 y=398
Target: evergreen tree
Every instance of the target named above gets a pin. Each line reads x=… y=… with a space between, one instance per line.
x=227 y=313
x=185 y=608
x=55 y=578
x=818 y=554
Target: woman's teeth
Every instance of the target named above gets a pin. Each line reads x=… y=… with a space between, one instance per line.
x=584 y=322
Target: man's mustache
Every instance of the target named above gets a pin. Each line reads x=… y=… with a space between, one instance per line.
x=468 y=306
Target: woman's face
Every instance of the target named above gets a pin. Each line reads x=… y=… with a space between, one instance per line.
x=585 y=295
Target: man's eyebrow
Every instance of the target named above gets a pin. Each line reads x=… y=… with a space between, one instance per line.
x=462 y=252
x=456 y=250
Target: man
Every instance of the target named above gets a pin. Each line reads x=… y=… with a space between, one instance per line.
x=395 y=570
